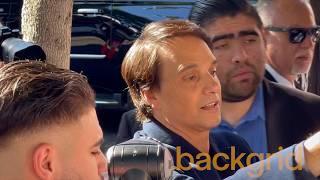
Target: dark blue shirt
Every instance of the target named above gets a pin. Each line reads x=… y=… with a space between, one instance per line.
x=221 y=141
x=252 y=126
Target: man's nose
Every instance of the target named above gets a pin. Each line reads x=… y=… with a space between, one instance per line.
x=212 y=85
x=240 y=55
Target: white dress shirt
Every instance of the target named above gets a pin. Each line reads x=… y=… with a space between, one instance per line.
x=279 y=78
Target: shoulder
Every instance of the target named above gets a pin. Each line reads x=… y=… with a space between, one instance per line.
x=131 y=114
x=129 y=118
x=277 y=91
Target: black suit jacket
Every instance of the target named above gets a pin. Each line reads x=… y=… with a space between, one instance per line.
x=291 y=115
x=268 y=76
x=128 y=126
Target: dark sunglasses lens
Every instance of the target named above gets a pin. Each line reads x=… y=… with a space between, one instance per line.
x=297 y=35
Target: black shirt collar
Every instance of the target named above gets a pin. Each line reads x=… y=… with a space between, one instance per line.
x=155 y=129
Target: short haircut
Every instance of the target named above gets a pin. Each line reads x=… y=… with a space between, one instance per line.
x=141 y=65
x=35 y=95
x=265 y=7
x=262 y=7
x=205 y=12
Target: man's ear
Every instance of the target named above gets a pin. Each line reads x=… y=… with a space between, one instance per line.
x=150 y=97
x=42 y=159
x=264 y=34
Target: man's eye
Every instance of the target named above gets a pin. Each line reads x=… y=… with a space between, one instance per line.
x=213 y=73
x=220 y=46
x=96 y=152
x=191 y=78
x=250 y=40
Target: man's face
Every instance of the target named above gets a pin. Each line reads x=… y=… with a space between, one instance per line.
x=189 y=94
x=240 y=52
x=78 y=155
x=287 y=58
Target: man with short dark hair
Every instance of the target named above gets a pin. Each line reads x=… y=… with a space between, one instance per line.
x=266 y=114
x=48 y=124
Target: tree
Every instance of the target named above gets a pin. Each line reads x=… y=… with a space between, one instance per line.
x=48 y=23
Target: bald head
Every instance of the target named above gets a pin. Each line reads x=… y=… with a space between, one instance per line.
x=280 y=12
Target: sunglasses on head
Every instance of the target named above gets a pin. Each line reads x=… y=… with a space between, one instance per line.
x=297 y=35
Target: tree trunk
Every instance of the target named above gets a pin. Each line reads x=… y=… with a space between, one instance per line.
x=314 y=74
x=48 y=23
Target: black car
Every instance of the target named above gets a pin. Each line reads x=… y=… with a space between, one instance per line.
x=102 y=33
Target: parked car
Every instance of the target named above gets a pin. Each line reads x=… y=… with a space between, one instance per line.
x=10 y=11
x=102 y=33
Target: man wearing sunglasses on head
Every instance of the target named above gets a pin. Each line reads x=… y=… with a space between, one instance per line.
x=291 y=34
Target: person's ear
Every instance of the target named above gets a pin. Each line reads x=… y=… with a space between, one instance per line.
x=42 y=159
x=150 y=97
x=264 y=34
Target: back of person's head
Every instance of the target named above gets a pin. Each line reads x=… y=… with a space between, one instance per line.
x=43 y=107
x=205 y=12
x=35 y=95
x=141 y=66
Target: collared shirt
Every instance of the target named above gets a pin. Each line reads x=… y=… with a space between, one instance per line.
x=156 y=130
x=278 y=77
x=252 y=125
x=220 y=143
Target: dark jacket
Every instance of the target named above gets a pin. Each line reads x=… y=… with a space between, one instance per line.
x=220 y=142
x=268 y=76
x=291 y=115
x=128 y=126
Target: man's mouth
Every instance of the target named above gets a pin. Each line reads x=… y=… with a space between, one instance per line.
x=211 y=106
x=243 y=75
x=303 y=58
